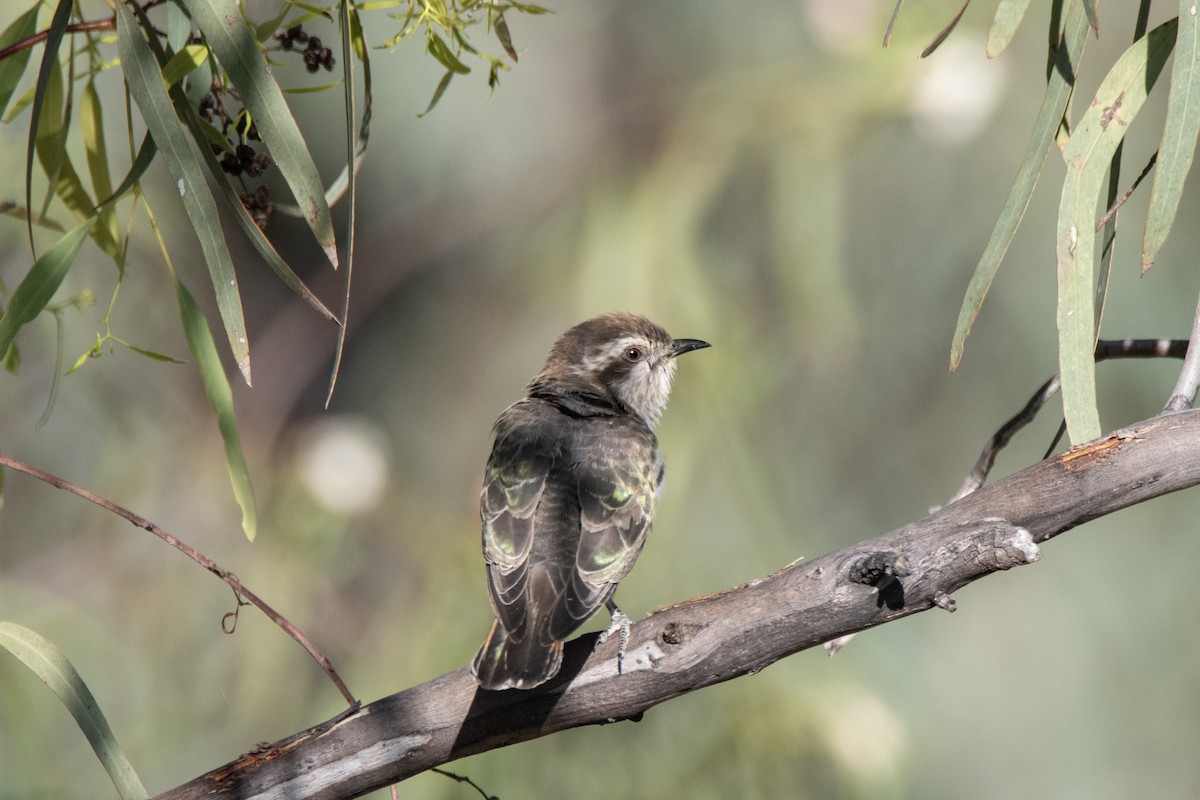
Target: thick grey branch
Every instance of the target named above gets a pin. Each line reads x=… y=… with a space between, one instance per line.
x=712 y=639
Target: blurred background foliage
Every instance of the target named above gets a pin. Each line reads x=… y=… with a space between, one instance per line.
x=762 y=175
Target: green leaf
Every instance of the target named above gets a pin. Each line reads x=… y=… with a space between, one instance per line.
x=437 y=47
x=202 y=130
x=41 y=283
x=54 y=35
x=56 y=671
x=1180 y=132
x=13 y=68
x=154 y=355
x=1045 y=127
x=502 y=33
x=1093 y=18
x=179 y=26
x=945 y=32
x=1088 y=153
x=314 y=11
x=340 y=185
x=184 y=62
x=91 y=125
x=209 y=133
x=12 y=360
x=324 y=87
x=141 y=163
x=65 y=183
x=93 y=352
x=220 y=397
x=266 y=29
x=1009 y=14
x=238 y=52
x=438 y=92
x=145 y=83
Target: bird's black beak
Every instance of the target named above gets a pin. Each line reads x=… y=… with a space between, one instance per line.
x=681 y=346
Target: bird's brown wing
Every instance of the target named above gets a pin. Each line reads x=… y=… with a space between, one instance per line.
x=513 y=486
x=617 y=481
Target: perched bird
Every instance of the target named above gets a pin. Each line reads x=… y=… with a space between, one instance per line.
x=569 y=491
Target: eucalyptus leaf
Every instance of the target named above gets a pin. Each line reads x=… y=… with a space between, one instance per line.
x=239 y=54
x=56 y=671
x=1180 y=132
x=144 y=78
x=40 y=284
x=1088 y=153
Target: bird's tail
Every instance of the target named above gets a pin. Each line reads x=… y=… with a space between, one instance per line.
x=507 y=663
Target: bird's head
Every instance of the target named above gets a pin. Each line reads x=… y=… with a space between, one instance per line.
x=623 y=355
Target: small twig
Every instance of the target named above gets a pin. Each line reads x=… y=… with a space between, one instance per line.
x=106 y=24
x=1002 y=437
x=1121 y=201
x=240 y=591
x=462 y=779
x=1105 y=349
x=1184 y=393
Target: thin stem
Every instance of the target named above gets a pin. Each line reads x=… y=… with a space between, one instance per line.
x=107 y=24
x=243 y=594
x=1105 y=349
x=1115 y=207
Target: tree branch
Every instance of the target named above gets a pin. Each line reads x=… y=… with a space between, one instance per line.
x=712 y=639
x=105 y=24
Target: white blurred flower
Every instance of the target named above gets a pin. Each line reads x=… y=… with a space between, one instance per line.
x=862 y=732
x=957 y=91
x=343 y=463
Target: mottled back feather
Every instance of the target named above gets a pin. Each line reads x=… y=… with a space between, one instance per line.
x=566 y=505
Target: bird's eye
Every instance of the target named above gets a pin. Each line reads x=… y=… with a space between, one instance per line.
x=633 y=354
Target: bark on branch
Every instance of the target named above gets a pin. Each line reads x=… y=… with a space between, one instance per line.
x=711 y=639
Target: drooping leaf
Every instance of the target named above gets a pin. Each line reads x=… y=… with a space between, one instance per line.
x=1009 y=14
x=1088 y=153
x=436 y=46
x=39 y=286
x=91 y=126
x=220 y=397
x=141 y=162
x=339 y=186
x=203 y=131
x=52 y=155
x=238 y=52
x=13 y=68
x=351 y=33
x=266 y=29
x=887 y=34
x=56 y=671
x=144 y=78
x=1093 y=16
x=502 y=33
x=54 y=36
x=184 y=62
x=1179 y=139
x=179 y=25
x=1046 y=126
x=945 y=32
x=438 y=92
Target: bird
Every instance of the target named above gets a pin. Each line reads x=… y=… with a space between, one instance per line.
x=569 y=492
